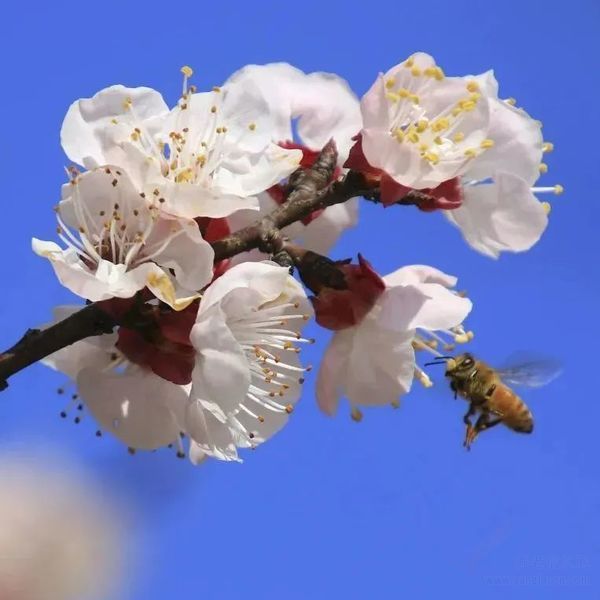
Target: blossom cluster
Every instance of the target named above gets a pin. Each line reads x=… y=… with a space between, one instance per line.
x=215 y=365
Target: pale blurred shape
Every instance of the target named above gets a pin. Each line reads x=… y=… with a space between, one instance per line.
x=59 y=538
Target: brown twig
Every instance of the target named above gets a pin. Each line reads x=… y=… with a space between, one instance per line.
x=310 y=190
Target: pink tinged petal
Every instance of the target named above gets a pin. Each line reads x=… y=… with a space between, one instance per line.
x=375 y=107
x=221 y=374
x=332 y=371
x=187 y=253
x=137 y=407
x=88 y=125
x=502 y=216
x=517 y=145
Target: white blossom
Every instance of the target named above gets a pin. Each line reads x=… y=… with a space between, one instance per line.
x=420 y=127
x=373 y=362
x=322 y=107
x=118 y=242
x=248 y=375
x=499 y=210
x=208 y=156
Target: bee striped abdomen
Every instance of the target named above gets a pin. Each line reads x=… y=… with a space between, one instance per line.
x=512 y=409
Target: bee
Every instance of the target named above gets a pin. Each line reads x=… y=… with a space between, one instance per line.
x=488 y=392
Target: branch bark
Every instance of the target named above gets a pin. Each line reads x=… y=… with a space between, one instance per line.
x=310 y=190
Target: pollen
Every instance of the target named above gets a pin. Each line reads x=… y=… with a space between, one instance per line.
x=543 y=168
x=511 y=101
x=422 y=125
x=216 y=89
x=413 y=137
x=213 y=109
x=390 y=83
x=546 y=206
x=127 y=103
x=395 y=404
x=558 y=189
x=548 y=147
x=289 y=409
x=403 y=93
x=409 y=62
x=487 y=143
x=470 y=153
x=416 y=72
x=356 y=414
x=187 y=71
x=440 y=124
x=472 y=86
x=459 y=136
x=252 y=126
x=432 y=157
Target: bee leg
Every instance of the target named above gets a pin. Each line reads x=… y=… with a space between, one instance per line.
x=469 y=432
x=482 y=424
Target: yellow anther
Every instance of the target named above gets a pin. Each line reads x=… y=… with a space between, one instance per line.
x=470 y=335
x=252 y=126
x=461 y=338
x=413 y=137
x=261 y=419
x=548 y=147
x=213 y=109
x=289 y=409
x=114 y=121
x=135 y=136
x=423 y=378
x=558 y=189
x=423 y=147
x=403 y=93
x=395 y=404
x=414 y=99
x=472 y=86
x=390 y=83
x=459 y=136
x=127 y=103
x=467 y=105
x=438 y=140
x=187 y=71
x=487 y=143
x=429 y=72
x=470 y=153
x=432 y=157
x=538 y=122
x=422 y=125
x=416 y=72
x=392 y=97
x=511 y=101
x=398 y=134
x=185 y=176
x=546 y=206
x=439 y=74
x=440 y=124
x=201 y=160
x=409 y=62
x=216 y=89
x=543 y=168
x=356 y=414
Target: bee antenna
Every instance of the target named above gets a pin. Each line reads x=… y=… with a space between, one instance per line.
x=435 y=362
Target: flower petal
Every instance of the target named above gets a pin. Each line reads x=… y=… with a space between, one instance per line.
x=93 y=126
x=137 y=406
x=501 y=216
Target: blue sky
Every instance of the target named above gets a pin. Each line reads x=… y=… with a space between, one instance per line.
x=391 y=507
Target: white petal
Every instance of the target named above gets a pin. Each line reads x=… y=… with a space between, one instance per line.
x=502 y=216
x=414 y=274
x=265 y=278
x=221 y=374
x=88 y=130
x=188 y=200
x=517 y=145
x=209 y=433
x=187 y=253
x=137 y=407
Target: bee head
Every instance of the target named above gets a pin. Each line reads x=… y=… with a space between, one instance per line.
x=461 y=363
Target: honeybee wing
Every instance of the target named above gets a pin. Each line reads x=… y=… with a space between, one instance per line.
x=530 y=371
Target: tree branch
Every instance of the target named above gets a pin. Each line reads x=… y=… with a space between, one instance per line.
x=309 y=190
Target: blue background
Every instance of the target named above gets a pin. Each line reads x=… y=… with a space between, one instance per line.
x=392 y=507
